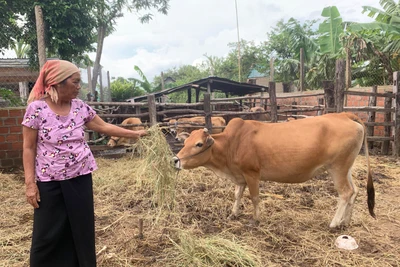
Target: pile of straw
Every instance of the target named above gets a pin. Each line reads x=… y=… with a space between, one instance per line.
x=213 y=251
x=156 y=166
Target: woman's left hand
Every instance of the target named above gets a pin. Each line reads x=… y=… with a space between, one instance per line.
x=142 y=133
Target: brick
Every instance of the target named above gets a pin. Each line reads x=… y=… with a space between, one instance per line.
x=15 y=113
x=4 y=130
x=5 y=146
x=10 y=121
x=4 y=113
x=17 y=146
x=6 y=163
x=2 y=138
x=15 y=129
x=14 y=154
x=3 y=154
x=12 y=138
x=19 y=120
x=17 y=162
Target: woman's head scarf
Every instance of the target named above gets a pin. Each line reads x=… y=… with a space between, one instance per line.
x=53 y=72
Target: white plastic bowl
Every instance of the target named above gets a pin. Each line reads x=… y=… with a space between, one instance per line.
x=346 y=242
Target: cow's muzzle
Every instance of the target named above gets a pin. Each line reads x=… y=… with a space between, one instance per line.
x=177 y=163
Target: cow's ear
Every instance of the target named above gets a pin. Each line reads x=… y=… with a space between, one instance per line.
x=209 y=141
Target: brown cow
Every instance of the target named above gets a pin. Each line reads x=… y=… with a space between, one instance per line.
x=185 y=126
x=120 y=141
x=258 y=116
x=248 y=152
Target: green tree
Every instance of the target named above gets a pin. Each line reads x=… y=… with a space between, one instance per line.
x=107 y=12
x=68 y=27
x=122 y=89
x=284 y=44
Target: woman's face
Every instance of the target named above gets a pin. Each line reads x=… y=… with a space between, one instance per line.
x=69 y=89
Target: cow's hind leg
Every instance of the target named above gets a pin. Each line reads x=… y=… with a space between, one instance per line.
x=254 y=190
x=239 y=189
x=347 y=191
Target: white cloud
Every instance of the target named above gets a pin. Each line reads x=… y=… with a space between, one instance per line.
x=194 y=28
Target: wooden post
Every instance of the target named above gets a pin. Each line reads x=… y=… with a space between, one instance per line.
x=348 y=68
x=340 y=84
x=294 y=112
x=387 y=119
x=271 y=69
x=197 y=95
x=151 y=100
x=189 y=95
x=320 y=102
x=302 y=76
x=140 y=235
x=101 y=85
x=207 y=111
x=329 y=96
x=89 y=75
x=396 y=105
x=162 y=82
x=108 y=87
x=40 y=35
x=372 y=115
x=272 y=99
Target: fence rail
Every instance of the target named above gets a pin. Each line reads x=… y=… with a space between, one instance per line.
x=158 y=113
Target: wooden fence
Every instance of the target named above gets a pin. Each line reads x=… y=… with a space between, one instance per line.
x=332 y=99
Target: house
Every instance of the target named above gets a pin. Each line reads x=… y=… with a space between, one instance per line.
x=258 y=78
x=16 y=75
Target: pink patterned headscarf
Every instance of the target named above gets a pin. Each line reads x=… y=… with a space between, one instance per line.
x=53 y=72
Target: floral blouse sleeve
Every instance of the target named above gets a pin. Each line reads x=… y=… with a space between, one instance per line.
x=32 y=116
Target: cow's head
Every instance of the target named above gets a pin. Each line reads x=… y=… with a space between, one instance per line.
x=113 y=141
x=172 y=126
x=196 y=150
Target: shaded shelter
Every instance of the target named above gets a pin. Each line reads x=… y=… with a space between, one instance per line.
x=209 y=84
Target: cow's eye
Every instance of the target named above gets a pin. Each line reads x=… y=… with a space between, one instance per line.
x=199 y=144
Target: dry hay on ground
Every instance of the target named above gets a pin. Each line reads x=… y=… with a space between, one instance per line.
x=196 y=232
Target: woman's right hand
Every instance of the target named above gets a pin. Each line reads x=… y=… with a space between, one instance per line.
x=32 y=195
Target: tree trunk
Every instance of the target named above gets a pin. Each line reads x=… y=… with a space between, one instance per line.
x=96 y=67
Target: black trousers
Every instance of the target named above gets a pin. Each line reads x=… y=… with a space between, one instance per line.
x=63 y=226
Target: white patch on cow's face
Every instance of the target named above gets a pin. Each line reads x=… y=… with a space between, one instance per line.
x=182 y=136
x=177 y=163
x=111 y=143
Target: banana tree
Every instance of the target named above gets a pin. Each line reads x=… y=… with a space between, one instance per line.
x=144 y=83
x=20 y=48
x=382 y=37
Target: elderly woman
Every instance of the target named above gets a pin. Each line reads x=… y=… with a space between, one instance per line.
x=58 y=164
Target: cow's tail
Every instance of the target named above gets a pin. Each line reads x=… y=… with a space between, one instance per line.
x=370 y=183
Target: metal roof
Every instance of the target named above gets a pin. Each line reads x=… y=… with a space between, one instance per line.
x=216 y=84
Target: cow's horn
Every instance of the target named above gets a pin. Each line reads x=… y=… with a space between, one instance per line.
x=205 y=130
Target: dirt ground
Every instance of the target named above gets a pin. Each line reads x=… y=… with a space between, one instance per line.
x=294 y=228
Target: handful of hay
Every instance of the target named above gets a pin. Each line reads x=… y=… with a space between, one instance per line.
x=156 y=166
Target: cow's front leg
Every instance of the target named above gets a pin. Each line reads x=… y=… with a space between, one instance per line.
x=239 y=189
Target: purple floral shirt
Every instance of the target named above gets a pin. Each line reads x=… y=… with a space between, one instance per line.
x=62 y=152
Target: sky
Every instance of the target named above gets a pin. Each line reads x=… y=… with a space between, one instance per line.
x=193 y=28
